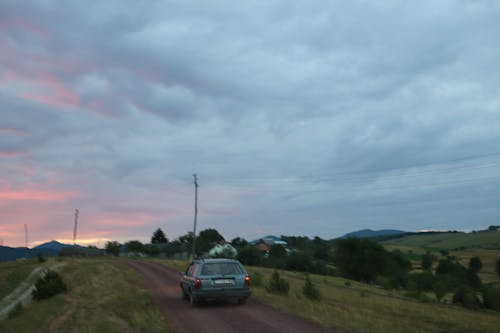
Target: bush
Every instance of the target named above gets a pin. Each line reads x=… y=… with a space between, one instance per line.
x=440 y=288
x=249 y=255
x=40 y=258
x=310 y=290
x=48 y=286
x=256 y=279
x=491 y=298
x=278 y=285
x=467 y=297
x=113 y=248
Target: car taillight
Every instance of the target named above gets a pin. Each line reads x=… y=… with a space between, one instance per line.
x=197 y=284
x=247 y=281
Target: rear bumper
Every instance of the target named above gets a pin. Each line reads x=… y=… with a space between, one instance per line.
x=221 y=294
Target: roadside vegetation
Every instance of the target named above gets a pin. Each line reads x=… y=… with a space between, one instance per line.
x=102 y=296
x=14 y=272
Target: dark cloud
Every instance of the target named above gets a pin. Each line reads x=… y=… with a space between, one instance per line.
x=312 y=117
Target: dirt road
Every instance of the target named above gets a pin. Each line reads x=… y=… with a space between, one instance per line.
x=163 y=283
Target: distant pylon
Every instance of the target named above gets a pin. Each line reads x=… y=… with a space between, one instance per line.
x=26 y=234
x=76 y=225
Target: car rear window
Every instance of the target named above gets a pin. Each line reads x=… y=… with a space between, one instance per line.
x=225 y=268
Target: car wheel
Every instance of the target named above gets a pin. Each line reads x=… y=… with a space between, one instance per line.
x=192 y=300
x=184 y=296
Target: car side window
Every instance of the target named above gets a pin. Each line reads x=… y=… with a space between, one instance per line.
x=190 y=270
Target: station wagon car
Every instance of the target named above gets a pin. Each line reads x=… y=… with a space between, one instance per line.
x=215 y=279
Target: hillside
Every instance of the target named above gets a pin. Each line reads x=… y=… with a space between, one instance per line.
x=449 y=240
x=368 y=233
x=52 y=248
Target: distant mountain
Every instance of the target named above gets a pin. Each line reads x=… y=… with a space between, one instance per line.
x=368 y=233
x=48 y=249
x=53 y=245
x=13 y=253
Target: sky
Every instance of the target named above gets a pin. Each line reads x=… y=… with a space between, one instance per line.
x=298 y=117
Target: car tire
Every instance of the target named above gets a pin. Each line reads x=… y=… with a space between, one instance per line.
x=184 y=296
x=192 y=300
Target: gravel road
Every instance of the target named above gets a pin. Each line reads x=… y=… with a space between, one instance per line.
x=163 y=283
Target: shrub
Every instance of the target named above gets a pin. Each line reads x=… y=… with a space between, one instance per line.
x=497 y=266
x=256 y=279
x=249 y=255
x=40 y=258
x=440 y=288
x=48 y=286
x=113 y=248
x=475 y=264
x=310 y=290
x=278 y=285
x=491 y=298
x=467 y=297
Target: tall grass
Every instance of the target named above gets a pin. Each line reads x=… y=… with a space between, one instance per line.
x=348 y=306
x=102 y=297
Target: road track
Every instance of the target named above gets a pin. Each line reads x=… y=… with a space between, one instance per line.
x=163 y=283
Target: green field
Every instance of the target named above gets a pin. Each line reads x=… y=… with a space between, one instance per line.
x=448 y=241
x=96 y=302
x=103 y=296
x=348 y=306
x=13 y=272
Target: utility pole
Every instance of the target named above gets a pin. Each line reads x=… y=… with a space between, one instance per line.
x=76 y=225
x=193 y=254
x=26 y=234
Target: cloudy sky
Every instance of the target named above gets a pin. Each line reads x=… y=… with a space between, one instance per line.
x=299 y=117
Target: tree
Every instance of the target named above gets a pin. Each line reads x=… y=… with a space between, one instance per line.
x=151 y=250
x=497 y=266
x=363 y=259
x=113 y=248
x=427 y=260
x=239 y=242
x=277 y=251
x=320 y=248
x=249 y=255
x=159 y=237
x=207 y=239
x=134 y=246
x=475 y=264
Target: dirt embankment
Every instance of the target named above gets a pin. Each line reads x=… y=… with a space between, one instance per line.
x=163 y=283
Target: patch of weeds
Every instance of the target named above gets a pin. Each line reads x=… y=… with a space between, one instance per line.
x=310 y=290
x=48 y=286
x=278 y=285
x=256 y=279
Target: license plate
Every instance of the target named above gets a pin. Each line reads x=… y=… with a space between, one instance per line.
x=224 y=281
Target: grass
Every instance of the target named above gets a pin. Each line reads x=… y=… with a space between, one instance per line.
x=363 y=308
x=488 y=258
x=449 y=241
x=14 y=272
x=103 y=296
x=349 y=306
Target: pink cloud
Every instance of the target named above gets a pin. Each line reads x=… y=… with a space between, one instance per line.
x=35 y=195
x=58 y=93
x=23 y=24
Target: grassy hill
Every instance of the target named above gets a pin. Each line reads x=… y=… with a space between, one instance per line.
x=449 y=241
x=95 y=302
x=349 y=306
